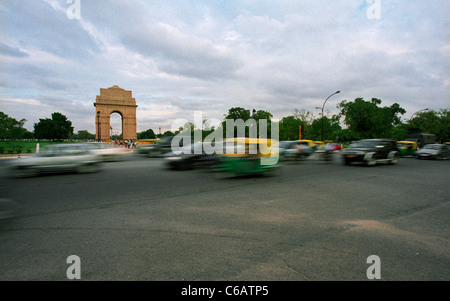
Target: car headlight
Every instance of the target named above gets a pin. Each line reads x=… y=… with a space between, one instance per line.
x=360 y=153
x=173 y=158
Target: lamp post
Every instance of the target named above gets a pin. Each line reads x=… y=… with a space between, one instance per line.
x=98 y=126
x=426 y=109
x=323 y=106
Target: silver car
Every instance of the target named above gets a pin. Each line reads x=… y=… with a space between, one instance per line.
x=56 y=158
x=433 y=151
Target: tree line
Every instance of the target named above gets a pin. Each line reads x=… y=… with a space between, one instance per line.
x=358 y=119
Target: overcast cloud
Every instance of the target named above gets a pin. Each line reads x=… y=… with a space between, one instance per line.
x=178 y=56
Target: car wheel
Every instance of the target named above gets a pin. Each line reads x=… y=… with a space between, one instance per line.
x=88 y=168
x=394 y=159
x=371 y=161
x=23 y=172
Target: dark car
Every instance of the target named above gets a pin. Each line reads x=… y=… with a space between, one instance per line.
x=371 y=152
x=158 y=149
x=292 y=150
x=163 y=146
x=193 y=156
x=434 y=151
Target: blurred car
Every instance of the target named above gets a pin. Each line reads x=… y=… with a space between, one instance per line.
x=107 y=152
x=433 y=151
x=162 y=147
x=157 y=149
x=56 y=158
x=371 y=152
x=298 y=149
x=193 y=156
x=319 y=144
x=287 y=149
x=334 y=146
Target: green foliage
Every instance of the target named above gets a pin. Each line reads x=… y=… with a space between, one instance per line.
x=238 y=113
x=83 y=135
x=290 y=128
x=58 y=127
x=168 y=134
x=431 y=122
x=324 y=129
x=148 y=134
x=10 y=128
x=366 y=119
x=21 y=147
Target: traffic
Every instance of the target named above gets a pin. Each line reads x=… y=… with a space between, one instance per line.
x=231 y=157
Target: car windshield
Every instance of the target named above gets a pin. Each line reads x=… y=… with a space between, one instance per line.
x=403 y=144
x=98 y=145
x=285 y=144
x=432 y=146
x=62 y=150
x=365 y=144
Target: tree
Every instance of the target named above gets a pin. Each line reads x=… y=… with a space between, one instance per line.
x=168 y=134
x=10 y=128
x=306 y=116
x=290 y=128
x=58 y=127
x=238 y=113
x=83 y=135
x=260 y=116
x=431 y=122
x=366 y=119
x=148 y=134
x=330 y=126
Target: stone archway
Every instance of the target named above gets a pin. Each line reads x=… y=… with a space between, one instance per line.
x=115 y=100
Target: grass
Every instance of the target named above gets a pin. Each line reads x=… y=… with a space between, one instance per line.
x=23 y=147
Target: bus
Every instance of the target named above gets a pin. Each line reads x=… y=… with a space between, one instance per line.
x=422 y=139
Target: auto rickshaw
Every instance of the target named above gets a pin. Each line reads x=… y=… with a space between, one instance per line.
x=319 y=144
x=407 y=148
x=245 y=156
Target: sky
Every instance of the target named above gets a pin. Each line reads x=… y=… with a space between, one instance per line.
x=181 y=57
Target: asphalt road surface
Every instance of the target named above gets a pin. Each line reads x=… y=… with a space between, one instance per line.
x=137 y=220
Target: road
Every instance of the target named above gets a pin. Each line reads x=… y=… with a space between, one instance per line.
x=137 y=220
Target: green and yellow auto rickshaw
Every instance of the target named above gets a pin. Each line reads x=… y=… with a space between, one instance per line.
x=407 y=148
x=246 y=156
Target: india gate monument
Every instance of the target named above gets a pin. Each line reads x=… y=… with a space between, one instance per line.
x=115 y=100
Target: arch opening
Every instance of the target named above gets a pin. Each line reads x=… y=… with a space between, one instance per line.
x=116 y=125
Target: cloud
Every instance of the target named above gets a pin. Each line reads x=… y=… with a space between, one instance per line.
x=182 y=56
x=11 y=51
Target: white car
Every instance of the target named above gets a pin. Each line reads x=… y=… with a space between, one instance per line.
x=434 y=151
x=107 y=152
x=56 y=158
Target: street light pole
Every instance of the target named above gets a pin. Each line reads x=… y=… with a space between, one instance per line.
x=98 y=126
x=426 y=109
x=323 y=106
